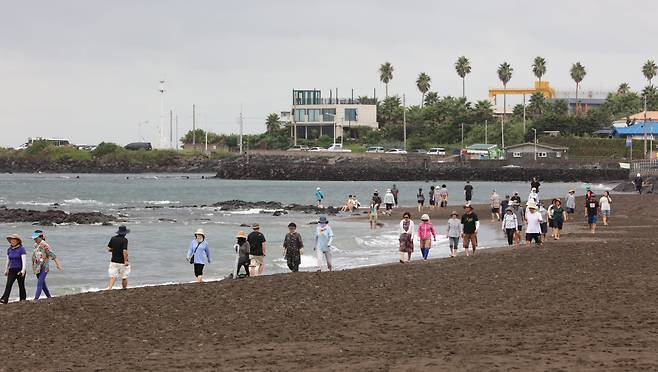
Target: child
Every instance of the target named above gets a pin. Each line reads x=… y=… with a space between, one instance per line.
x=372 y=215
x=454 y=232
x=425 y=233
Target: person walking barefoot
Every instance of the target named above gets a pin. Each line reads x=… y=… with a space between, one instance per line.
x=453 y=233
x=324 y=238
x=198 y=254
x=559 y=215
x=470 y=224
x=592 y=212
x=406 y=237
x=41 y=257
x=119 y=264
x=293 y=248
x=421 y=199
x=605 y=202
x=494 y=202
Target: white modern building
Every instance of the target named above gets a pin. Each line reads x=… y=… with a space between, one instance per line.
x=314 y=116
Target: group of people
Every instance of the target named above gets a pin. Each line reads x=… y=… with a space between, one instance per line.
x=438 y=197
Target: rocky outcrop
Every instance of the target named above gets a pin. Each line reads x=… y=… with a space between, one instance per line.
x=358 y=167
x=53 y=217
x=181 y=164
x=277 y=208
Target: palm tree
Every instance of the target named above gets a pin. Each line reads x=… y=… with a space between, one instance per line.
x=623 y=89
x=539 y=67
x=649 y=69
x=577 y=74
x=386 y=74
x=423 y=84
x=463 y=67
x=505 y=75
x=272 y=123
x=431 y=98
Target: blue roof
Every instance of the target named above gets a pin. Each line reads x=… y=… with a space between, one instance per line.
x=638 y=129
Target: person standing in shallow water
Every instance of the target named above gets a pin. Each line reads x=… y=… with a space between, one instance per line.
x=198 y=253
x=257 y=245
x=395 y=193
x=15 y=268
x=41 y=257
x=426 y=234
x=324 y=238
x=319 y=196
x=293 y=248
x=242 y=249
x=468 y=191
x=119 y=264
x=421 y=199
x=406 y=237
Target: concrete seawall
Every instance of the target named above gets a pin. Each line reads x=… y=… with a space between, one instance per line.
x=391 y=167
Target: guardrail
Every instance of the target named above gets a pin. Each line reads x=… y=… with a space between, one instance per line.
x=645 y=167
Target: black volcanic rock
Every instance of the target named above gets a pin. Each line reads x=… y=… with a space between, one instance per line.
x=52 y=217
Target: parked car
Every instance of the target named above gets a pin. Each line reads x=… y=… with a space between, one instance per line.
x=298 y=148
x=419 y=151
x=139 y=146
x=338 y=147
x=396 y=151
x=375 y=149
x=437 y=151
x=316 y=149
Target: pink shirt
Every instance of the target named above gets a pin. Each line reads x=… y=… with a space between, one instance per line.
x=426 y=231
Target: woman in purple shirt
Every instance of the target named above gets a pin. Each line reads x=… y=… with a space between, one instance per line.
x=15 y=267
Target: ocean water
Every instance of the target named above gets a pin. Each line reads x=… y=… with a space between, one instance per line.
x=160 y=234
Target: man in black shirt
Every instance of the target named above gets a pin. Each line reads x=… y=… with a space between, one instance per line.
x=119 y=265
x=256 y=241
x=470 y=225
x=535 y=184
x=468 y=191
x=592 y=212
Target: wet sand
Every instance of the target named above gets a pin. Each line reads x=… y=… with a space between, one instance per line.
x=582 y=303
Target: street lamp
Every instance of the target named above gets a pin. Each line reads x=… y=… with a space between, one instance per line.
x=341 y=137
x=535 y=130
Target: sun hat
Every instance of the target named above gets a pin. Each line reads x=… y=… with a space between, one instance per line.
x=509 y=209
x=241 y=234
x=199 y=231
x=425 y=217
x=572 y=190
x=123 y=230
x=468 y=205
x=292 y=224
x=37 y=234
x=534 y=189
x=323 y=219
x=255 y=226
x=15 y=236
x=388 y=190
x=454 y=213
x=318 y=188
x=531 y=206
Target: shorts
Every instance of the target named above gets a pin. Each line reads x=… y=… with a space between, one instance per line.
x=533 y=236
x=198 y=269
x=256 y=261
x=389 y=206
x=118 y=270
x=571 y=210
x=432 y=202
x=495 y=210
x=551 y=223
x=421 y=202
x=591 y=220
x=468 y=238
x=544 y=227
x=427 y=243
x=606 y=212
x=557 y=224
x=520 y=228
x=372 y=217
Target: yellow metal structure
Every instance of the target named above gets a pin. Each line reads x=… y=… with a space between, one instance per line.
x=540 y=86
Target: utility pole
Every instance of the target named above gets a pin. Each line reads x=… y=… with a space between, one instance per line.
x=241 y=126
x=486 y=138
x=462 y=136
x=161 y=130
x=502 y=132
x=535 y=129
x=645 y=123
x=523 y=113
x=404 y=120
x=171 y=129
x=177 y=138
x=194 y=126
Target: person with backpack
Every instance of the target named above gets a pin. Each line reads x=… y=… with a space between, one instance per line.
x=198 y=254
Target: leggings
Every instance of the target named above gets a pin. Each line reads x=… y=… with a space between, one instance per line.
x=246 y=267
x=41 y=285
x=326 y=255
x=425 y=252
x=454 y=243
x=12 y=276
x=510 y=236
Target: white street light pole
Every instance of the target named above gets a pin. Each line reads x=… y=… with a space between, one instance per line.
x=462 y=136
x=535 y=130
x=523 y=113
x=161 y=131
x=404 y=120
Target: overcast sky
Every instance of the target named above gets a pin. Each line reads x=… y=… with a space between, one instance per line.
x=88 y=70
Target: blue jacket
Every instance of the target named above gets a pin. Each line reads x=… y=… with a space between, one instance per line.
x=319 y=195
x=202 y=255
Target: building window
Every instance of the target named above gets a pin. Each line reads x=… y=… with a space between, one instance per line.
x=558 y=154
x=314 y=115
x=542 y=155
x=516 y=154
x=328 y=114
x=300 y=115
x=350 y=114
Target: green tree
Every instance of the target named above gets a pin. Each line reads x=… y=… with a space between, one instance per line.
x=423 y=85
x=105 y=148
x=577 y=73
x=272 y=123
x=650 y=94
x=539 y=67
x=390 y=111
x=649 y=70
x=505 y=75
x=624 y=88
x=431 y=98
x=537 y=105
x=463 y=68
x=386 y=74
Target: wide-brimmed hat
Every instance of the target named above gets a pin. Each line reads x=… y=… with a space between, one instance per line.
x=572 y=190
x=255 y=226
x=531 y=205
x=388 y=190
x=425 y=217
x=323 y=219
x=468 y=205
x=15 y=236
x=241 y=234
x=123 y=230
x=454 y=213
x=200 y=231
x=509 y=209
x=317 y=188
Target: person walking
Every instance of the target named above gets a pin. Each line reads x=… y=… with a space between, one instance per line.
x=426 y=234
x=438 y=202
x=494 y=201
x=503 y=206
x=198 y=254
x=389 y=201
x=421 y=199
x=257 y=248
x=15 y=268
x=558 y=216
x=605 y=202
x=454 y=232
x=430 y=194
x=470 y=224
x=592 y=212
x=510 y=225
x=443 y=195
x=535 y=184
x=119 y=264
x=406 y=237
x=324 y=238
x=570 y=204
x=516 y=197
x=544 y=221
x=376 y=199
x=242 y=249
x=533 y=221
x=395 y=192
x=520 y=217
x=293 y=248
x=41 y=257
x=468 y=191
x=533 y=196
x=638 y=181
x=373 y=215
x=319 y=196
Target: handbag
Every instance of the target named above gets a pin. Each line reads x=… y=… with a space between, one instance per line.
x=193 y=253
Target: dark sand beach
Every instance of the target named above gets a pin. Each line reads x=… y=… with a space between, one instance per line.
x=583 y=303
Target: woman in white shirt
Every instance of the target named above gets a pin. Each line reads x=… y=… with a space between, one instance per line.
x=510 y=225
x=605 y=202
